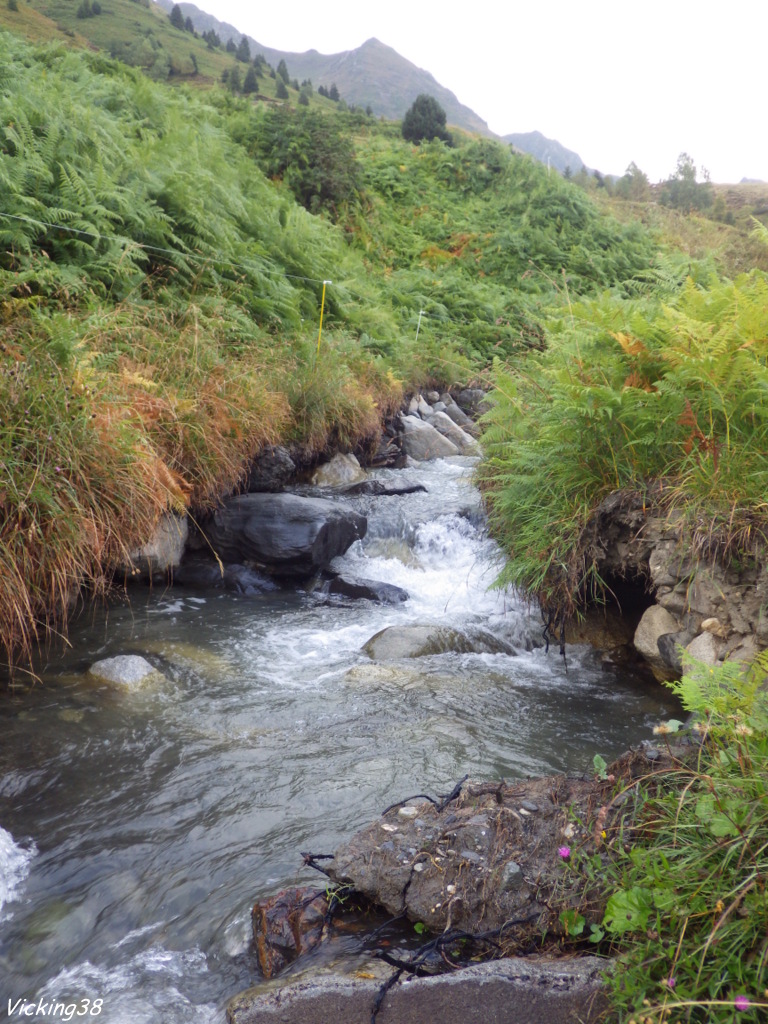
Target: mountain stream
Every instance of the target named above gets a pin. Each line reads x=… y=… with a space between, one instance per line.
x=137 y=828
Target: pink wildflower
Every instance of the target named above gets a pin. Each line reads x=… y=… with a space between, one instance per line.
x=564 y=851
x=741 y=1003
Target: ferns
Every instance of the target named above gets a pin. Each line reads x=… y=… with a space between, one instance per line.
x=625 y=394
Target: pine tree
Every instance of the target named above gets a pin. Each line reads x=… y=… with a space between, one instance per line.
x=425 y=120
x=250 y=82
x=176 y=17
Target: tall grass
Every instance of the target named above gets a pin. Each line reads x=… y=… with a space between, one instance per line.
x=629 y=394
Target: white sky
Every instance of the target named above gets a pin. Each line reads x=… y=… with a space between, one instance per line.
x=620 y=82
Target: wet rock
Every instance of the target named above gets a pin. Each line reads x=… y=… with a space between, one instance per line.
x=163 y=551
x=127 y=670
x=285 y=926
x=342 y=470
x=419 y=641
x=271 y=470
x=385 y=489
x=205 y=573
x=284 y=534
x=356 y=587
x=422 y=442
x=523 y=990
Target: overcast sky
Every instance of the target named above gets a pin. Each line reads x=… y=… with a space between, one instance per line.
x=628 y=81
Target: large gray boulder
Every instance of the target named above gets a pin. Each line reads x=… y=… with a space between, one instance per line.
x=285 y=534
x=466 y=444
x=422 y=442
x=542 y=991
x=396 y=642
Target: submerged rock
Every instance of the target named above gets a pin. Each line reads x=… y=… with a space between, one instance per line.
x=284 y=534
x=204 y=572
x=380 y=488
x=396 y=642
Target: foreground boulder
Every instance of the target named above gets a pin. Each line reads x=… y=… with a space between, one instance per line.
x=490 y=855
x=524 y=991
x=284 y=534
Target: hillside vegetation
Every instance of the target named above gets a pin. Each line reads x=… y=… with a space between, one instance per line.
x=165 y=253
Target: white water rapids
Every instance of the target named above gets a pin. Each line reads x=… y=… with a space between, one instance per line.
x=136 y=829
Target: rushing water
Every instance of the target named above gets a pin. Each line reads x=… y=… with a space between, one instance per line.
x=136 y=829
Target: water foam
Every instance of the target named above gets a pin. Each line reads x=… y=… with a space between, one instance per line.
x=14 y=867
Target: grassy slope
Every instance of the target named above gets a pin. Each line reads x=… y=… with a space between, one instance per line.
x=159 y=299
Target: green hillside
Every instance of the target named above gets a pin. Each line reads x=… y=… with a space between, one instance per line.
x=163 y=265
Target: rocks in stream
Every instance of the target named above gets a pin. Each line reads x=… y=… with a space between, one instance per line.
x=341 y=471
x=423 y=442
x=287 y=925
x=347 y=585
x=125 y=670
x=418 y=641
x=284 y=534
x=492 y=857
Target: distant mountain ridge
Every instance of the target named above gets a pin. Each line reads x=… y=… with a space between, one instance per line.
x=548 y=151
x=372 y=75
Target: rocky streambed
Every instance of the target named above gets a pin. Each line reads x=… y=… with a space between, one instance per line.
x=281 y=712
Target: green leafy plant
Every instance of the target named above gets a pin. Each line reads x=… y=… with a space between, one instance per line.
x=687 y=916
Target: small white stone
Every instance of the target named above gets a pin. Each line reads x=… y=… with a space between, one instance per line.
x=569 y=831
x=408 y=812
x=418 y=867
x=450 y=888
x=389 y=828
